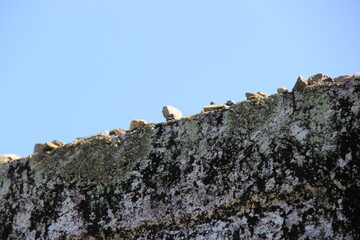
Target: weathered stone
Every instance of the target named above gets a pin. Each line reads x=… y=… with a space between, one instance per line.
x=285 y=167
x=170 y=117
x=251 y=96
x=8 y=157
x=300 y=83
x=58 y=143
x=319 y=78
x=230 y=102
x=172 y=110
x=262 y=94
x=342 y=78
x=356 y=75
x=117 y=131
x=44 y=147
x=282 y=90
x=136 y=124
x=210 y=108
x=212 y=103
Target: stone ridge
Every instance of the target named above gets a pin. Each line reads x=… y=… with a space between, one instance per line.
x=276 y=167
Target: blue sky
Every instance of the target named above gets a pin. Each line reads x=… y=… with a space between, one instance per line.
x=70 y=69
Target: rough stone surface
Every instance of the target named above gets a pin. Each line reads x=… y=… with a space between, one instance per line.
x=117 y=131
x=136 y=124
x=319 y=78
x=301 y=83
x=176 y=113
x=282 y=167
x=356 y=75
x=282 y=90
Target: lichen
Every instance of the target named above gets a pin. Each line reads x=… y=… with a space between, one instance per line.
x=281 y=167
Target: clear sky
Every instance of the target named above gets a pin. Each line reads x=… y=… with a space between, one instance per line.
x=71 y=69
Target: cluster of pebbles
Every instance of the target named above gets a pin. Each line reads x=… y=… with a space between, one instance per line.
x=171 y=113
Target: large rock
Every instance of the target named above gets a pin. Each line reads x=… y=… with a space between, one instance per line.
x=285 y=167
x=356 y=75
x=318 y=79
x=136 y=124
x=176 y=113
x=301 y=83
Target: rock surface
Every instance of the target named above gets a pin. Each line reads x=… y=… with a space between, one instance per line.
x=282 y=167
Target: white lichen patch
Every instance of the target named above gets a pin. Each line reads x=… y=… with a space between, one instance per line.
x=298 y=131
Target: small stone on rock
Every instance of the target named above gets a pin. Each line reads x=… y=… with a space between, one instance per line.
x=282 y=90
x=117 y=131
x=58 y=142
x=342 y=78
x=136 y=124
x=262 y=94
x=319 y=78
x=44 y=147
x=230 y=102
x=167 y=110
x=300 y=83
x=250 y=96
x=8 y=157
x=212 y=103
x=210 y=108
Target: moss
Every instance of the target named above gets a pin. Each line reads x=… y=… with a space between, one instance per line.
x=99 y=160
